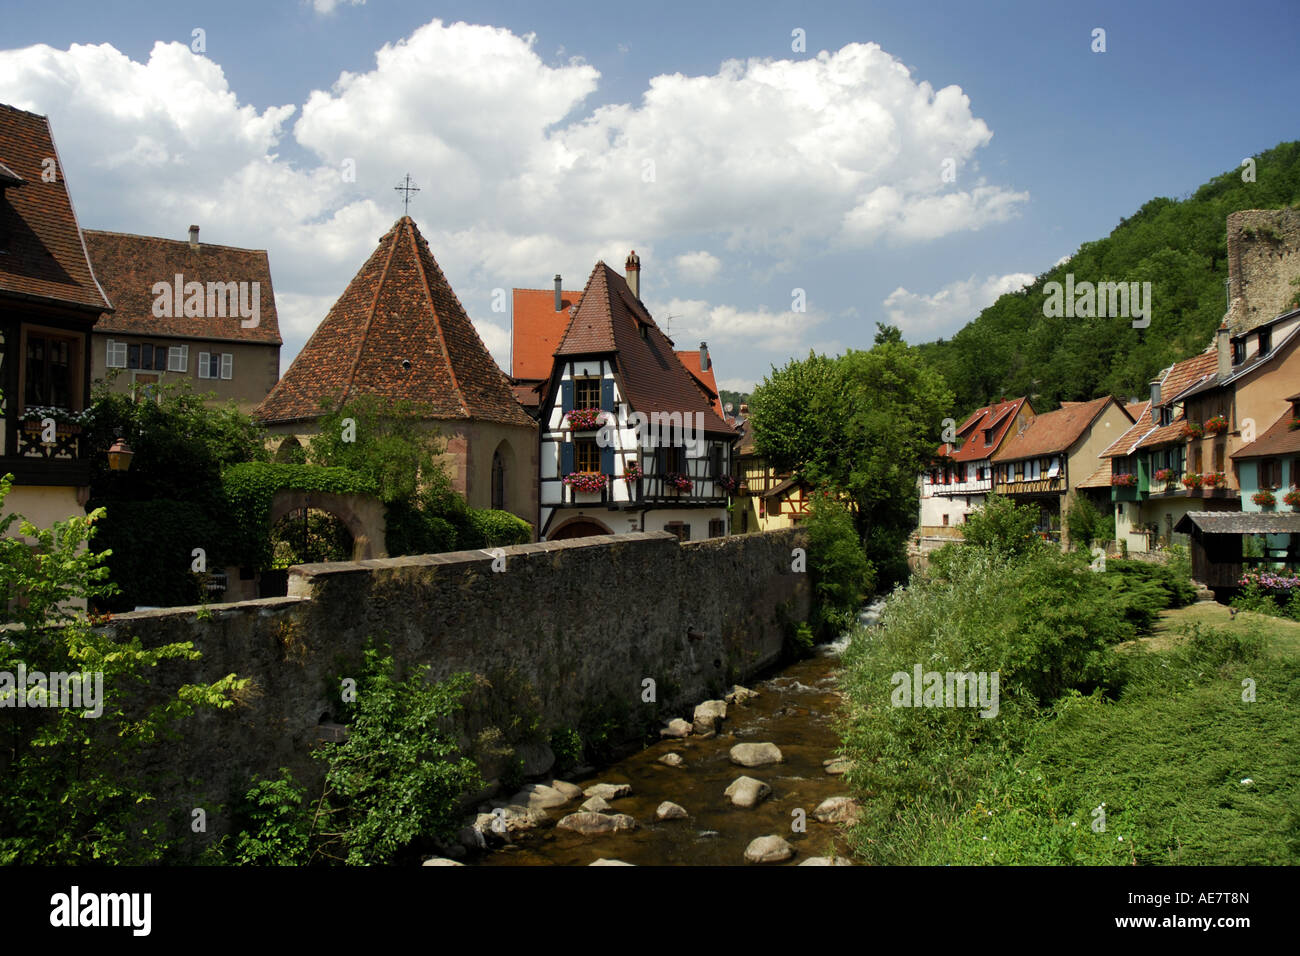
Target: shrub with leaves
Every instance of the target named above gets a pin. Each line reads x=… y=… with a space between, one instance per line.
x=394 y=784
x=71 y=791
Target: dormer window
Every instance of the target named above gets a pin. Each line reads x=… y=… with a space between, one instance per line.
x=1238 y=351
x=1265 y=342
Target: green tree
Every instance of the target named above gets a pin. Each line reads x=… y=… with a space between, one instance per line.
x=1003 y=527
x=863 y=425
x=171 y=500
x=841 y=574
x=70 y=791
x=390 y=442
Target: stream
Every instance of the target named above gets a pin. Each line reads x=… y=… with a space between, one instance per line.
x=795 y=710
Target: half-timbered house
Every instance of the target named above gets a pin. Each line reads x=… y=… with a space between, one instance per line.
x=630 y=440
x=49 y=303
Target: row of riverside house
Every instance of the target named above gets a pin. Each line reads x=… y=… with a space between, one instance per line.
x=558 y=443
x=1211 y=459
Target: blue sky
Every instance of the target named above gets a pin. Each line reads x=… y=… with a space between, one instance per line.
x=530 y=128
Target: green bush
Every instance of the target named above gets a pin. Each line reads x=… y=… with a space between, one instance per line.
x=1042 y=623
x=1003 y=527
x=500 y=528
x=841 y=574
x=394 y=785
x=273 y=823
x=410 y=530
x=566 y=744
x=152 y=545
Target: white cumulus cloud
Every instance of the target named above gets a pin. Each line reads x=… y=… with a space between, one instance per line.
x=923 y=316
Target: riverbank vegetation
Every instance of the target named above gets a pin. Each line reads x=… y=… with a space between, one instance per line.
x=1128 y=727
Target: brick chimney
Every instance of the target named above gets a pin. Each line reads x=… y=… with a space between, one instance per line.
x=559 y=296
x=632 y=269
x=194 y=238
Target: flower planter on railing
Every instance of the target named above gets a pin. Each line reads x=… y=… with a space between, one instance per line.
x=728 y=483
x=1216 y=480
x=679 y=481
x=1191 y=481
x=1216 y=425
x=1193 y=430
x=632 y=472
x=1265 y=498
x=586 y=481
x=1125 y=480
x=584 y=419
x=1292 y=498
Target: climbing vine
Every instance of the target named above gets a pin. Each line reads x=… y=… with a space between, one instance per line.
x=250 y=488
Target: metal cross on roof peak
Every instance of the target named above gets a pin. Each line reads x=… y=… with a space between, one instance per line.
x=406 y=187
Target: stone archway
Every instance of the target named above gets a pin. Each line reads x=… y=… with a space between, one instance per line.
x=362 y=514
x=578 y=528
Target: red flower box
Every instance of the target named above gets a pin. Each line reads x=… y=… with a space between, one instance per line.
x=1193 y=430
x=585 y=481
x=1264 y=499
x=584 y=419
x=1216 y=425
x=1192 y=481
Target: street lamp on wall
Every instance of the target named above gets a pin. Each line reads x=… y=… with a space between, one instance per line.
x=120 y=455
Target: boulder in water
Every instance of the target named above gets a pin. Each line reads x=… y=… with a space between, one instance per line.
x=746 y=791
x=755 y=755
x=768 y=849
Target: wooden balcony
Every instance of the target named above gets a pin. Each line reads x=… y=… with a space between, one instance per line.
x=33 y=461
x=1039 y=486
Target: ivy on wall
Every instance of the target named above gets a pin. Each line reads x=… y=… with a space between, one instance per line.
x=250 y=488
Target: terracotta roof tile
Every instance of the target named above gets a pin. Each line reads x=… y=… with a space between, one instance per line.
x=704 y=377
x=398 y=307
x=998 y=417
x=1098 y=479
x=1053 y=432
x=1279 y=439
x=128 y=266
x=609 y=320
x=1125 y=444
x=43 y=257
x=537 y=330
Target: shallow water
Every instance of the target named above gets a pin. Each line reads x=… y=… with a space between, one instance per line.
x=795 y=711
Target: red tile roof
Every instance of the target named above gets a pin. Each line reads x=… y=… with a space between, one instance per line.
x=1279 y=439
x=43 y=257
x=609 y=320
x=1189 y=372
x=536 y=330
x=128 y=266
x=704 y=377
x=1098 y=479
x=997 y=417
x=1127 y=442
x=398 y=307
x=1053 y=432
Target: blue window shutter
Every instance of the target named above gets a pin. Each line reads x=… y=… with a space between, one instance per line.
x=607 y=395
x=566 y=396
x=607 y=460
x=566 y=458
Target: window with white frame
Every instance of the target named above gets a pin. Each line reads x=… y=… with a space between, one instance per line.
x=216 y=365
x=178 y=358
x=116 y=355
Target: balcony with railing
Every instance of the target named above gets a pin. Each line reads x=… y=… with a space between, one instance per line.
x=44 y=446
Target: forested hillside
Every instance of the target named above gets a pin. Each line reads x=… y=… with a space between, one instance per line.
x=1179 y=246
